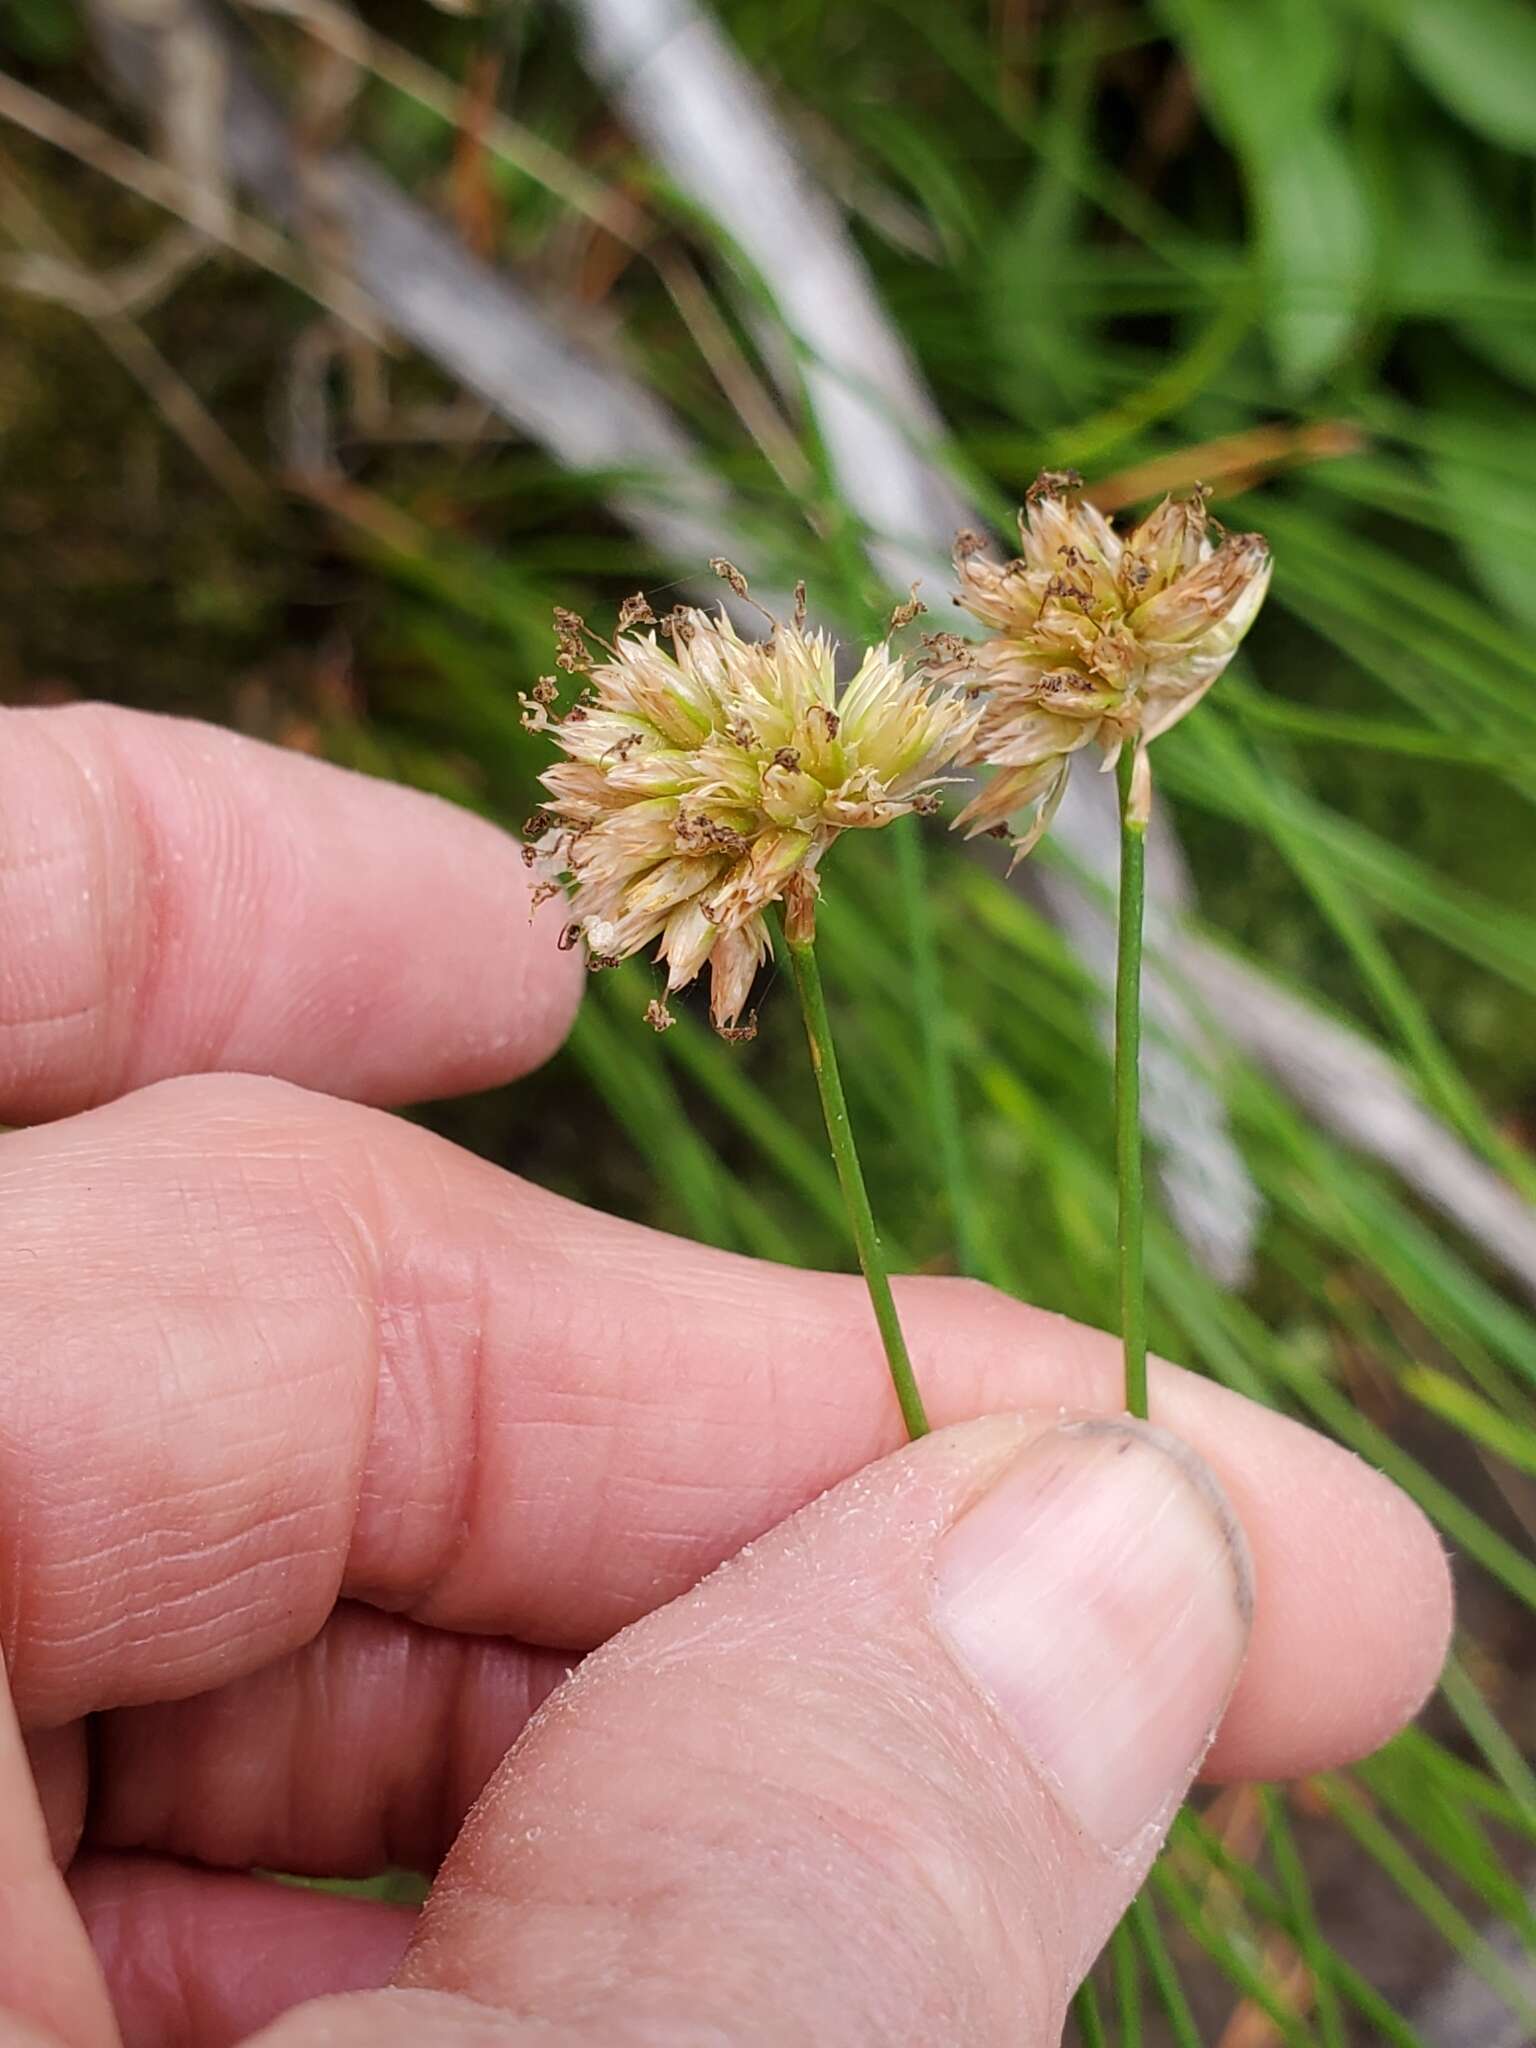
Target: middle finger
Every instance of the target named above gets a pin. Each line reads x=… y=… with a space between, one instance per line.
x=358 y=1753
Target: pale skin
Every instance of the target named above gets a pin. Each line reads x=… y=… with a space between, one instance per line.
x=326 y=1449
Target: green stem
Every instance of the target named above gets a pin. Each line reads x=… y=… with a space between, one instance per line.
x=834 y=1107
x=1133 y=887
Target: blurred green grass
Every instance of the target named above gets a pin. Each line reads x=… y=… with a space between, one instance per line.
x=1113 y=235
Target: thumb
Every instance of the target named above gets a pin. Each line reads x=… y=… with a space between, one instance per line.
x=889 y=1777
x=51 y=1987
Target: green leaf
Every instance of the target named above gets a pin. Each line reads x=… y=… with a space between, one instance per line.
x=1316 y=243
x=1422 y=1891
x=1263 y=68
x=907 y=150
x=1479 y=57
x=1385 y=2022
x=1441 y=239
x=1090 y=2022
x=1472 y=1415
x=1047 y=373
x=1049 y=368
x=1292 y=1873
x=1268 y=72
x=1502 y=1753
x=1164 y=1972
x=1489 y=506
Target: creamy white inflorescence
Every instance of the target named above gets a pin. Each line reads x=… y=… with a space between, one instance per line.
x=1095 y=638
x=704 y=781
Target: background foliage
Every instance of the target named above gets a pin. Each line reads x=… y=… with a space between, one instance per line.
x=1285 y=246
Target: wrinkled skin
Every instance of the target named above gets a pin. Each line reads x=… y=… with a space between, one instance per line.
x=328 y=1448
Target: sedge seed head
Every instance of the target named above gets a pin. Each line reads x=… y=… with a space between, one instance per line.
x=703 y=781
x=1095 y=639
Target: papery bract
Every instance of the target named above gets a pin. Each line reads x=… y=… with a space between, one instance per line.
x=1096 y=639
x=704 y=782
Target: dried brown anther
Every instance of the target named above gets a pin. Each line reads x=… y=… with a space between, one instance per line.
x=1054 y=483
x=697 y=832
x=905 y=613
x=701 y=785
x=729 y=573
x=571 y=652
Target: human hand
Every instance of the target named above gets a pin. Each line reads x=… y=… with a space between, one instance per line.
x=324 y=1448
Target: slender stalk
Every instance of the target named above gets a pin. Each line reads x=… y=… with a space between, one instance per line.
x=834 y=1108
x=1128 y=1167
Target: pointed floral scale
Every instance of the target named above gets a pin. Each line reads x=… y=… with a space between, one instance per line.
x=1095 y=639
x=704 y=782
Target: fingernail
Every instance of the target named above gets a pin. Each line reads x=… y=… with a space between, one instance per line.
x=1100 y=1592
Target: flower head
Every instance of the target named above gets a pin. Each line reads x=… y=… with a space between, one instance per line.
x=704 y=781
x=1095 y=638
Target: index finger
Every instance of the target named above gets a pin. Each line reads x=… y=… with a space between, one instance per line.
x=264 y=1350
x=175 y=899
